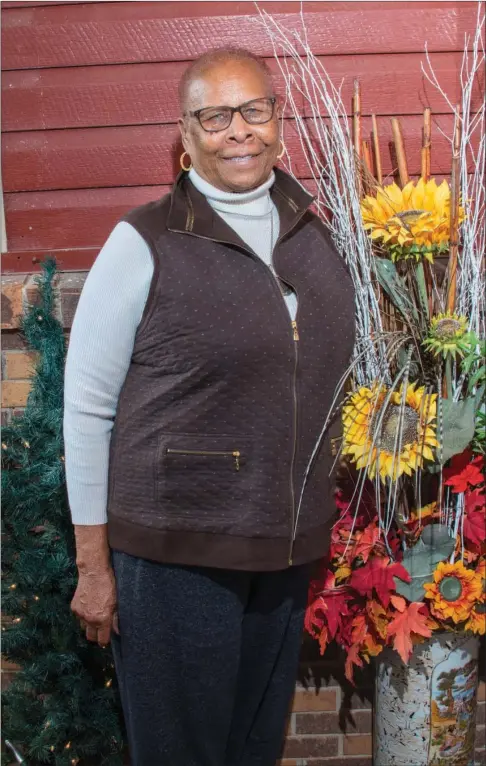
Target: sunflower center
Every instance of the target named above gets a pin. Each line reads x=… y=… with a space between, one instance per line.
x=447 y=328
x=410 y=216
x=451 y=588
x=394 y=417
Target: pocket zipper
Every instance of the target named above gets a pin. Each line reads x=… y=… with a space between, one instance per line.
x=235 y=453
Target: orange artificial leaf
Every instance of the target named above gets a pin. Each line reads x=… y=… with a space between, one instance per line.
x=398 y=602
x=342 y=572
x=407 y=624
x=367 y=542
x=378 y=617
x=371 y=647
x=352 y=659
x=323 y=640
x=359 y=629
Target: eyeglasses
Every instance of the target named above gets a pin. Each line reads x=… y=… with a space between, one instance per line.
x=258 y=111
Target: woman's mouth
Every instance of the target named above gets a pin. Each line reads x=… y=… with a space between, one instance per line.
x=245 y=159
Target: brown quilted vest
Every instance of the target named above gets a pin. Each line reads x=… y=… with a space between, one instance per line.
x=225 y=398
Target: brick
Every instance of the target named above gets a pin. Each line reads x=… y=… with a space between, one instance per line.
x=482 y=691
x=317 y=723
x=6 y=415
x=480 y=736
x=333 y=723
x=12 y=341
x=19 y=364
x=15 y=393
x=312 y=699
x=12 y=301
x=9 y=666
x=310 y=747
x=6 y=679
x=70 y=288
x=361 y=699
x=357 y=744
x=481 y=713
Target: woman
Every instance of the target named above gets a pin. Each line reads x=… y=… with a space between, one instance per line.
x=211 y=331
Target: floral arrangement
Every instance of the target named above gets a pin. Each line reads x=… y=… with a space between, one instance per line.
x=408 y=552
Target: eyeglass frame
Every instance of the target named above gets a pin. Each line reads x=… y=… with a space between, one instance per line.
x=233 y=109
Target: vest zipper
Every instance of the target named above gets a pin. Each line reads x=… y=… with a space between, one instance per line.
x=294 y=450
x=235 y=453
x=296 y=338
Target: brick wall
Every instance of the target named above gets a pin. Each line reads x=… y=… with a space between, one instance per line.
x=330 y=722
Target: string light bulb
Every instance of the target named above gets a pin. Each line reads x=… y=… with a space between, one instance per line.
x=13 y=586
x=67 y=746
x=36 y=598
x=108 y=683
x=18 y=619
x=26 y=444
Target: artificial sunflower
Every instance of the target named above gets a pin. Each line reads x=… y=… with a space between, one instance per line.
x=455 y=591
x=413 y=221
x=371 y=420
x=448 y=334
x=476 y=622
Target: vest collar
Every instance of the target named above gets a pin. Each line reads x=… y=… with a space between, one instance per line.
x=191 y=213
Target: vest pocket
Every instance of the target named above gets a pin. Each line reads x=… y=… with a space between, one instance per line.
x=203 y=481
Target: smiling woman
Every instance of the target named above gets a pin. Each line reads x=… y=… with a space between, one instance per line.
x=202 y=365
x=229 y=122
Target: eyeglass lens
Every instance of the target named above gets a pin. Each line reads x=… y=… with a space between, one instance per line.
x=254 y=112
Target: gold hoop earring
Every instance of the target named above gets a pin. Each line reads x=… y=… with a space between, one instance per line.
x=279 y=156
x=181 y=160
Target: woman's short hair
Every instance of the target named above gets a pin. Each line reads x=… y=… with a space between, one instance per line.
x=214 y=57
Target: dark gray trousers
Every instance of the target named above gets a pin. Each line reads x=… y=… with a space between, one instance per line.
x=206 y=661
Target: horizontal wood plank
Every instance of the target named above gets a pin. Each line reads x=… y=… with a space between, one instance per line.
x=74 y=218
x=39 y=222
x=131 y=32
x=145 y=94
x=149 y=155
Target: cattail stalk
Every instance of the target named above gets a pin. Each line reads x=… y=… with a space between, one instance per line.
x=426 y=145
x=400 y=150
x=376 y=147
x=454 y=220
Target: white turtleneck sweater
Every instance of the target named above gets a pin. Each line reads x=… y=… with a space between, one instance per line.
x=103 y=332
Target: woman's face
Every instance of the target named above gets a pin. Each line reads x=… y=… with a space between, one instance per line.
x=240 y=157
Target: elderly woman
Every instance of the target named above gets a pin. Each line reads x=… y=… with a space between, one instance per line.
x=205 y=350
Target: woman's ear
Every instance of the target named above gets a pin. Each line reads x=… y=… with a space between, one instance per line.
x=183 y=131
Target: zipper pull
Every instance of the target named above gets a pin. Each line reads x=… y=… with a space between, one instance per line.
x=236 y=456
x=296 y=332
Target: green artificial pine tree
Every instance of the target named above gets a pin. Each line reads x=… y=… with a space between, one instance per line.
x=63 y=706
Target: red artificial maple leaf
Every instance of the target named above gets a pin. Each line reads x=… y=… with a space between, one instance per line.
x=352 y=659
x=412 y=621
x=377 y=577
x=464 y=472
x=474 y=525
x=367 y=541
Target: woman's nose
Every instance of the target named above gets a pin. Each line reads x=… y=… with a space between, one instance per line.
x=239 y=130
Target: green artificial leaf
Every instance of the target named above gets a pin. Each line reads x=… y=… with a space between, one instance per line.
x=435 y=545
x=402 y=360
x=422 y=289
x=457 y=426
x=395 y=287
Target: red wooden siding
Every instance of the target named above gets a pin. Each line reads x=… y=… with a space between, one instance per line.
x=90 y=99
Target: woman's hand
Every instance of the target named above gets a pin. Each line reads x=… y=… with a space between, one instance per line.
x=94 y=603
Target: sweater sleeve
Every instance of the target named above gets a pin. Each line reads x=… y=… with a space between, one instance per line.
x=100 y=348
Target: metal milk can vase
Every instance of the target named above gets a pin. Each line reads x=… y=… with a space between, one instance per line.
x=425 y=712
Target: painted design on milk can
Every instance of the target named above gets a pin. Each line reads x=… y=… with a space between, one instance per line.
x=425 y=712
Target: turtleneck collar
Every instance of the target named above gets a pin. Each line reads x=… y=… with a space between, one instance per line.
x=256 y=202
